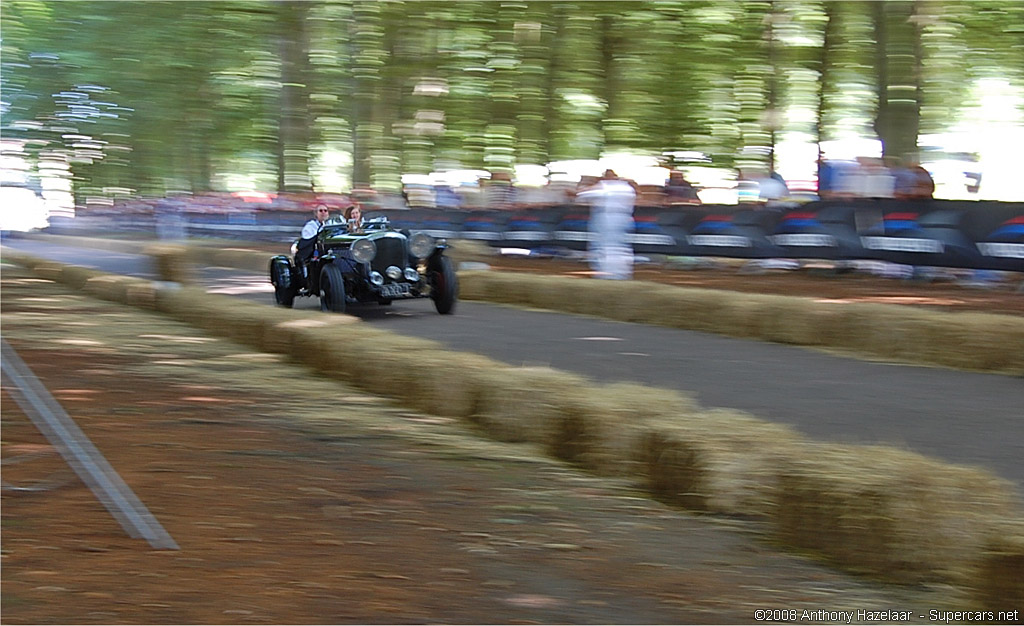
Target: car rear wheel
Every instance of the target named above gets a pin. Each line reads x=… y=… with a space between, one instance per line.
x=284 y=288
x=444 y=285
x=332 y=289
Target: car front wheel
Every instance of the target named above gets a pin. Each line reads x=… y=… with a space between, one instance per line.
x=332 y=289
x=444 y=285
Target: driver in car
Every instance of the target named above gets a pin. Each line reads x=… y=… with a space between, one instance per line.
x=307 y=240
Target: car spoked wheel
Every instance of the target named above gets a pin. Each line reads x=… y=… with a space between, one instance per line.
x=332 y=289
x=444 y=285
x=284 y=287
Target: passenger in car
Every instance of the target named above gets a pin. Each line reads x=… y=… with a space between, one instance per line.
x=354 y=218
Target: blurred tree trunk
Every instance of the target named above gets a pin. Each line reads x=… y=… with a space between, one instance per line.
x=825 y=79
x=367 y=59
x=294 y=124
x=898 y=71
x=551 y=119
x=611 y=44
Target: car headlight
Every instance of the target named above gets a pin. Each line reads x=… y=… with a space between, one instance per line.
x=364 y=250
x=421 y=244
x=394 y=272
x=411 y=274
x=376 y=278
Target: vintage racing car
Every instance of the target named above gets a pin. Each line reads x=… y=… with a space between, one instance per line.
x=372 y=263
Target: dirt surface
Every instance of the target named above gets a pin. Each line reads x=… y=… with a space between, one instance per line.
x=297 y=499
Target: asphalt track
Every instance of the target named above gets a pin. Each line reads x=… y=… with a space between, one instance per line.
x=964 y=417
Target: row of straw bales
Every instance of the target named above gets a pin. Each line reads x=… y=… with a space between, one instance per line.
x=882 y=511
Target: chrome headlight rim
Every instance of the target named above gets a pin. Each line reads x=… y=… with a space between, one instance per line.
x=393 y=272
x=376 y=279
x=421 y=245
x=411 y=274
x=364 y=250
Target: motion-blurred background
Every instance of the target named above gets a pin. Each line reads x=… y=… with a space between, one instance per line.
x=104 y=102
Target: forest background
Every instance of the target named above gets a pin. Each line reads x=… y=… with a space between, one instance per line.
x=147 y=98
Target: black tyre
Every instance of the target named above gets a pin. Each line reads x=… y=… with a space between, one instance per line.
x=444 y=285
x=284 y=287
x=332 y=289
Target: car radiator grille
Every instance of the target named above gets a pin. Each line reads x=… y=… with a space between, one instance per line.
x=390 y=251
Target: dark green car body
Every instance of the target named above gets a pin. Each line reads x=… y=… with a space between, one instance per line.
x=372 y=264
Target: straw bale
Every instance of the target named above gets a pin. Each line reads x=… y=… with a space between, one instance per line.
x=142 y=294
x=278 y=334
x=999 y=585
x=177 y=300
x=524 y=404
x=889 y=512
x=314 y=343
x=464 y=250
x=676 y=469
x=245 y=324
x=251 y=260
x=617 y=414
x=109 y=287
x=76 y=277
x=724 y=460
x=173 y=262
x=980 y=341
x=49 y=270
x=800 y=321
x=433 y=381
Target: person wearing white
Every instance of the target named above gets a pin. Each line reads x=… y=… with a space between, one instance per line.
x=307 y=239
x=313 y=226
x=611 y=217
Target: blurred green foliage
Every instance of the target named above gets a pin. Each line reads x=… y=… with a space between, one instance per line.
x=161 y=96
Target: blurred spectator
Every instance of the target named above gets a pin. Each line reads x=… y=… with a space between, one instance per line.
x=446 y=198
x=419 y=196
x=772 y=189
x=913 y=182
x=678 y=190
x=872 y=179
x=611 y=216
x=170 y=218
x=499 y=191
x=586 y=182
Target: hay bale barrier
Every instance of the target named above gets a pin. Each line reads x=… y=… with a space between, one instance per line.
x=890 y=513
x=878 y=510
x=1001 y=574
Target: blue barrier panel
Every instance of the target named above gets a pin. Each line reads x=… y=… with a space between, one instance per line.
x=486 y=225
x=532 y=228
x=441 y=223
x=571 y=231
x=739 y=233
